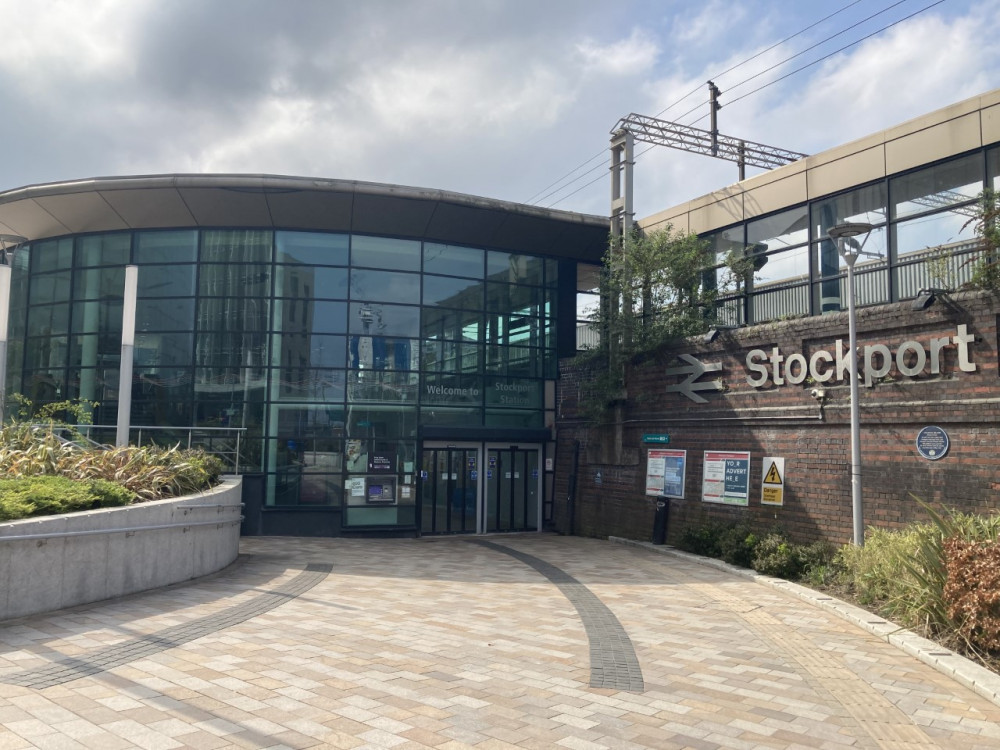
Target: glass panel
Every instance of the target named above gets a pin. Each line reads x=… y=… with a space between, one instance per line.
x=235 y=408
x=311 y=282
x=309 y=350
x=104 y=249
x=514 y=418
x=52 y=287
x=95 y=349
x=234 y=280
x=993 y=168
x=163 y=314
x=233 y=314
x=99 y=283
x=531 y=490
x=452 y=325
x=164 y=349
x=98 y=316
x=455 y=293
x=938 y=234
x=437 y=415
x=453 y=260
x=780 y=231
x=515 y=360
x=520 y=479
x=388 y=385
x=310 y=317
x=165 y=281
x=161 y=396
x=385 y=285
x=515 y=269
x=166 y=247
x=45 y=385
x=865 y=205
x=503 y=298
x=312 y=248
x=383 y=353
x=781 y=268
x=450 y=356
x=47 y=353
x=385 y=252
x=551 y=272
x=513 y=393
x=45 y=320
x=98 y=384
x=934 y=251
x=236 y=246
x=452 y=390
x=51 y=255
x=299 y=384
x=390 y=421
x=955 y=181
x=827 y=254
x=388 y=320
x=246 y=348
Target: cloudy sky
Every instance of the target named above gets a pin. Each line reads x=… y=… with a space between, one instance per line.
x=499 y=98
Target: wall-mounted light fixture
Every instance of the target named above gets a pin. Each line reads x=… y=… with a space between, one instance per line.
x=926 y=297
x=713 y=333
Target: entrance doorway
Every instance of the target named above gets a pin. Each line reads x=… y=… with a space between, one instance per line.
x=477 y=488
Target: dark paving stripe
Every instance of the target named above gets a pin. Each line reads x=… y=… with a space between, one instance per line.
x=613 y=663
x=109 y=657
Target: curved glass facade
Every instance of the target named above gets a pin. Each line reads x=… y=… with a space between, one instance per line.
x=333 y=351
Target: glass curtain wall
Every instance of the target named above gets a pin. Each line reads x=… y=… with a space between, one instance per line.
x=328 y=349
x=923 y=236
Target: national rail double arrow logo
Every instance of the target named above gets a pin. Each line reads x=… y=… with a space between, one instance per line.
x=694 y=369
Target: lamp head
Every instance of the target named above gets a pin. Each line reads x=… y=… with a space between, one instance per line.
x=843 y=235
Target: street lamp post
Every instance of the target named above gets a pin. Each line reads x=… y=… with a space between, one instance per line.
x=844 y=236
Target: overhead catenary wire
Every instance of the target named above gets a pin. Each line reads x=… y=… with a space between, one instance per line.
x=760 y=88
x=831 y=54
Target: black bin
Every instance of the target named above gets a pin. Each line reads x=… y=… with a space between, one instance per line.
x=660 y=520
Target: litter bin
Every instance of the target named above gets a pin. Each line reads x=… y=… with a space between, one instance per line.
x=660 y=520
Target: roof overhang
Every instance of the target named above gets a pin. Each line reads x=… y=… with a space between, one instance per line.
x=108 y=204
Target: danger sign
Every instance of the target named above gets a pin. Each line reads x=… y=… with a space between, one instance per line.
x=772 y=487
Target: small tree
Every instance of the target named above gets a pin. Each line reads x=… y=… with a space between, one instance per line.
x=652 y=293
x=986 y=222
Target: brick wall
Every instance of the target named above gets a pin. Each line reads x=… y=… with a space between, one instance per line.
x=811 y=434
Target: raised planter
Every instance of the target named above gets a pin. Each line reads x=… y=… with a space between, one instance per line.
x=60 y=561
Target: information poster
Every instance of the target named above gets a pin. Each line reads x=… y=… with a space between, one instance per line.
x=665 y=471
x=726 y=477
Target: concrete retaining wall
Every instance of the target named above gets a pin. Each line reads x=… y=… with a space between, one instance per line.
x=61 y=561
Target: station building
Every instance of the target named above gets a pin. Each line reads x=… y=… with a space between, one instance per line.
x=771 y=381
x=386 y=355
x=396 y=360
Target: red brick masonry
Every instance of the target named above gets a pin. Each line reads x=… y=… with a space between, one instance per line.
x=805 y=420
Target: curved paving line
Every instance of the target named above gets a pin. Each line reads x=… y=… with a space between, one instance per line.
x=613 y=663
x=109 y=657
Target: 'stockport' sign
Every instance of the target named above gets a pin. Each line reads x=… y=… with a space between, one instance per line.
x=911 y=359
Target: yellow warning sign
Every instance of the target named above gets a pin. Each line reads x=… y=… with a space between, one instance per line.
x=773 y=477
x=771 y=495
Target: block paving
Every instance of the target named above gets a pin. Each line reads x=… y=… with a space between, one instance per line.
x=520 y=641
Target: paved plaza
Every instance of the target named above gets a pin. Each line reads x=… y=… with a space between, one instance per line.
x=528 y=641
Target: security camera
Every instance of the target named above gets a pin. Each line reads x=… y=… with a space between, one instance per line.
x=817 y=393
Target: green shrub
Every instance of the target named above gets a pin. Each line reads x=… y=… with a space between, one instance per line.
x=701 y=540
x=28 y=497
x=736 y=545
x=776 y=556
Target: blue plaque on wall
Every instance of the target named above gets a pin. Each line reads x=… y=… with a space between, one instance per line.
x=932 y=443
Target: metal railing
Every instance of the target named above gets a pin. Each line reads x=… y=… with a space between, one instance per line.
x=224 y=442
